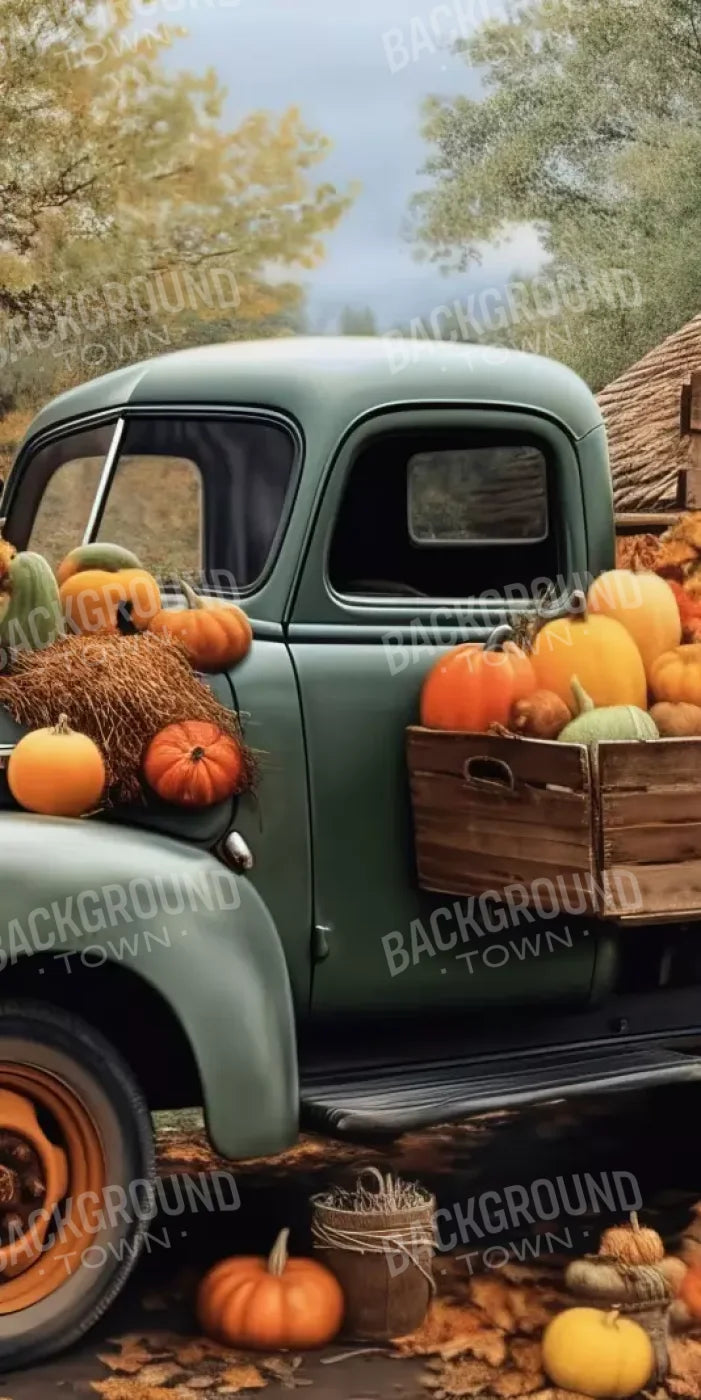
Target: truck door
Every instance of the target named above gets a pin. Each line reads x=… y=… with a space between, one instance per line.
x=433 y=524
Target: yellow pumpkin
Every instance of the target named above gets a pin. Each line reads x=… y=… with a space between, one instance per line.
x=56 y=771
x=597 y=1353
x=644 y=604
x=599 y=651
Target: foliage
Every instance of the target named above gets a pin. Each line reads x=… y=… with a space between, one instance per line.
x=357 y=320
x=587 y=128
x=126 y=207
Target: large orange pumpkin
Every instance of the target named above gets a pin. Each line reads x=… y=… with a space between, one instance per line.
x=644 y=604
x=194 y=764
x=90 y=598
x=270 y=1303
x=599 y=651
x=56 y=771
x=215 y=635
x=473 y=686
x=676 y=675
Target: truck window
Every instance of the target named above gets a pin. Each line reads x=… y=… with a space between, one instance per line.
x=60 y=488
x=439 y=517
x=201 y=496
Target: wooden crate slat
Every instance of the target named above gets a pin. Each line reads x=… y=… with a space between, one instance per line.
x=656 y=844
x=670 y=805
x=656 y=764
x=449 y=797
x=664 y=889
x=530 y=760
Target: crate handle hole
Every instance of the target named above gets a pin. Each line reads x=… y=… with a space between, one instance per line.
x=483 y=771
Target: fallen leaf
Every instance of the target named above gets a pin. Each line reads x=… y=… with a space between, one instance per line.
x=130 y=1359
x=192 y=1351
x=685 y=1365
x=284 y=1370
x=446 y=1325
x=458 y=1378
x=238 y=1378
x=526 y=1355
x=494 y=1298
x=511 y=1383
x=160 y=1373
x=118 y=1388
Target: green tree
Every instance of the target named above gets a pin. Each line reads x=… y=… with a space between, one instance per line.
x=357 y=320
x=589 y=129
x=117 y=173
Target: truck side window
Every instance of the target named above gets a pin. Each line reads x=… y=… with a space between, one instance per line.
x=60 y=488
x=201 y=497
x=441 y=517
x=155 y=506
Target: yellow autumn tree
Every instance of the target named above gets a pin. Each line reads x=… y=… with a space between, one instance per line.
x=127 y=206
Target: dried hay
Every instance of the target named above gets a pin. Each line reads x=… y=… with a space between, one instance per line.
x=120 y=691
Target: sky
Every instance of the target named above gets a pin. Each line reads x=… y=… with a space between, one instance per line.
x=359 y=70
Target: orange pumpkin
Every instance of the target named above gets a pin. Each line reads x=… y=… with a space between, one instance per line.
x=270 y=1303
x=90 y=598
x=598 y=650
x=644 y=604
x=56 y=771
x=676 y=675
x=194 y=764
x=215 y=635
x=473 y=686
x=690 y=1291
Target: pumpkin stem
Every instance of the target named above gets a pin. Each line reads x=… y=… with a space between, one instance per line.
x=578 y=604
x=583 y=702
x=277 y=1258
x=63 y=727
x=193 y=601
x=634 y=1220
x=197 y=753
x=498 y=636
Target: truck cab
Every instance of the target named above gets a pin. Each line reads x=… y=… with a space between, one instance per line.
x=369 y=503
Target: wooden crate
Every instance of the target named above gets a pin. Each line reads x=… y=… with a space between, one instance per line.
x=616 y=830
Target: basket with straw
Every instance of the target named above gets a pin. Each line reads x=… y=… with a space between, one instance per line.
x=379 y=1243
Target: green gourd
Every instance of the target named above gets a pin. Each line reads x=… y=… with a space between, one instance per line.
x=609 y=722
x=99 y=555
x=33 y=617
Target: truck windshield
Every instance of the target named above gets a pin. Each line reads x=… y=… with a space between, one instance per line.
x=196 y=496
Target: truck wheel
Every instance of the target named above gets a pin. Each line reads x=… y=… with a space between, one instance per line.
x=76 y=1174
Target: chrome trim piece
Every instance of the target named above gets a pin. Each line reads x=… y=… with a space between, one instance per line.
x=105 y=482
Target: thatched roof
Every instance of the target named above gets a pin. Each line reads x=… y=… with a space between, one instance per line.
x=641 y=410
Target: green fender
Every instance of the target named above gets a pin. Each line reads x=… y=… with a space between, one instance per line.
x=180 y=919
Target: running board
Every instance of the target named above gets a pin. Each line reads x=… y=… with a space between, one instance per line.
x=395 y=1099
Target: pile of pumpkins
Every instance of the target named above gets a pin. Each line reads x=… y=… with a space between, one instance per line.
x=102 y=588
x=612 y=666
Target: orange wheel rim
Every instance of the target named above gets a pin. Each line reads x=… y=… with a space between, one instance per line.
x=44 y=1179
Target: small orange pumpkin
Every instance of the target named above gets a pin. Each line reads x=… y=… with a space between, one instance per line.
x=215 y=635
x=194 y=764
x=473 y=686
x=632 y=1244
x=541 y=715
x=56 y=771
x=676 y=674
x=270 y=1303
x=690 y=1291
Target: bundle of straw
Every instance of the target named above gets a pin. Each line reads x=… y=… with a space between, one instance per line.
x=120 y=691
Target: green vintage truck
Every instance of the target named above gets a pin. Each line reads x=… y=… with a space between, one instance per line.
x=366 y=507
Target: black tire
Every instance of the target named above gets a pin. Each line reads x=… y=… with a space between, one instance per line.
x=68 y=1048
